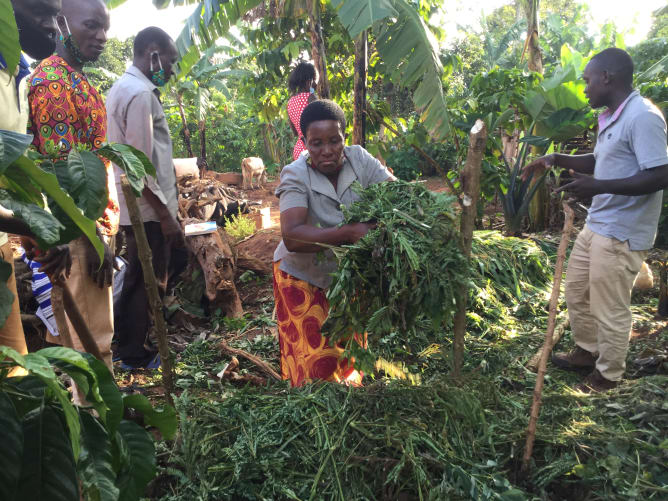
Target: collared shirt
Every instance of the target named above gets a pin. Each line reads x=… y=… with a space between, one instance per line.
x=136 y=118
x=13 y=105
x=67 y=111
x=303 y=186
x=630 y=139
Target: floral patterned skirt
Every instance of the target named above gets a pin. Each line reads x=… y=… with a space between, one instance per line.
x=301 y=309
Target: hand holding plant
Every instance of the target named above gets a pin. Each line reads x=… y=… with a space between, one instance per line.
x=537 y=167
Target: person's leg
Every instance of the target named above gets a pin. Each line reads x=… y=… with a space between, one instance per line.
x=11 y=333
x=611 y=280
x=132 y=314
x=95 y=305
x=583 y=324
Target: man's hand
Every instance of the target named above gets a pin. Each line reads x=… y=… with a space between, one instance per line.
x=537 y=167
x=355 y=231
x=102 y=275
x=172 y=232
x=582 y=186
x=56 y=262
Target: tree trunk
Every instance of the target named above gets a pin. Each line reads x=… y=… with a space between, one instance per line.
x=538 y=208
x=318 y=48
x=359 y=86
x=470 y=182
x=202 y=142
x=270 y=143
x=547 y=343
x=150 y=282
x=186 y=132
x=216 y=259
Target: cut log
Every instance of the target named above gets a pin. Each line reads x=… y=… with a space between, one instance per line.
x=216 y=260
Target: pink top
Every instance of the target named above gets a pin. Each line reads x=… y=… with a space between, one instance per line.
x=296 y=105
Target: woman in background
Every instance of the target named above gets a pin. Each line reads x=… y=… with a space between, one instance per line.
x=301 y=84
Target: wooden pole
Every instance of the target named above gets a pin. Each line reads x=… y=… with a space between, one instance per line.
x=151 y=284
x=359 y=88
x=547 y=343
x=470 y=181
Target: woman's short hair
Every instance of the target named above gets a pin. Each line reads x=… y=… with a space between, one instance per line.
x=322 y=109
x=302 y=74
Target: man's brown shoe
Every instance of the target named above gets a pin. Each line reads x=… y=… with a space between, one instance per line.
x=575 y=360
x=596 y=383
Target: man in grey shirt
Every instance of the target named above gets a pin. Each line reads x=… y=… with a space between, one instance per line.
x=136 y=117
x=625 y=176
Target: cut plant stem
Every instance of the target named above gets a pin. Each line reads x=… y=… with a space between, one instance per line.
x=252 y=358
x=470 y=190
x=151 y=284
x=547 y=343
x=556 y=337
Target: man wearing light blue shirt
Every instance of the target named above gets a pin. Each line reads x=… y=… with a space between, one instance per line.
x=625 y=176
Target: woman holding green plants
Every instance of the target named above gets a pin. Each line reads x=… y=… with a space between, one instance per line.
x=312 y=191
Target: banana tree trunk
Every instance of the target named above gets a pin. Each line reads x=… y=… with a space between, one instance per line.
x=318 y=47
x=203 y=165
x=359 y=101
x=270 y=143
x=538 y=208
x=186 y=132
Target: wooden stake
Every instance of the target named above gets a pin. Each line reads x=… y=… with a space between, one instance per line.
x=151 y=284
x=470 y=181
x=547 y=343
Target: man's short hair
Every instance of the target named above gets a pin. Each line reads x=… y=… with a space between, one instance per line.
x=616 y=62
x=322 y=109
x=150 y=35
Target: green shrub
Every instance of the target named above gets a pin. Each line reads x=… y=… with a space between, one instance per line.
x=239 y=226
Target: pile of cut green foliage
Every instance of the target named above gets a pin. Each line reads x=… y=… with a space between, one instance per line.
x=407 y=269
x=400 y=282
x=430 y=442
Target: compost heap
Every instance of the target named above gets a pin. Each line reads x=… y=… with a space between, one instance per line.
x=399 y=283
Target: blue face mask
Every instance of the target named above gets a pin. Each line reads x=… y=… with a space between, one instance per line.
x=157 y=76
x=312 y=90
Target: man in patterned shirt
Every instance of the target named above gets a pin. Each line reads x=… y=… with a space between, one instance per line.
x=66 y=111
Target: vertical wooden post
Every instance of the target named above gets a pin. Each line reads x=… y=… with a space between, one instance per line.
x=470 y=181
x=318 y=48
x=151 y=284
x=359 y=89
x=547 y=343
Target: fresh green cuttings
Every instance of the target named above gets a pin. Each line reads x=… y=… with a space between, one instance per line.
x=409 y=267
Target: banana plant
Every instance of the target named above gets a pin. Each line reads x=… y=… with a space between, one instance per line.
x=516 y=193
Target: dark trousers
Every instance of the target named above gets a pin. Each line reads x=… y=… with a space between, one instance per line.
x=131 y=314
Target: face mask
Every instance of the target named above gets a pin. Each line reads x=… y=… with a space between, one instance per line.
x=71 y=45
x=157 y=77
x=34 y=41
x=311 y=90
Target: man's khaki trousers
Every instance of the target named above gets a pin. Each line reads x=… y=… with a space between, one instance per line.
x=599 y=280
x=95 y=305
x=11 y=333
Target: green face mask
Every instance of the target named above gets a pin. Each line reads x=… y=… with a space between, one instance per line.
x=157 y=75
x=71 y=45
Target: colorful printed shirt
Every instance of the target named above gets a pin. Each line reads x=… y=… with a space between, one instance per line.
x=67 y=110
